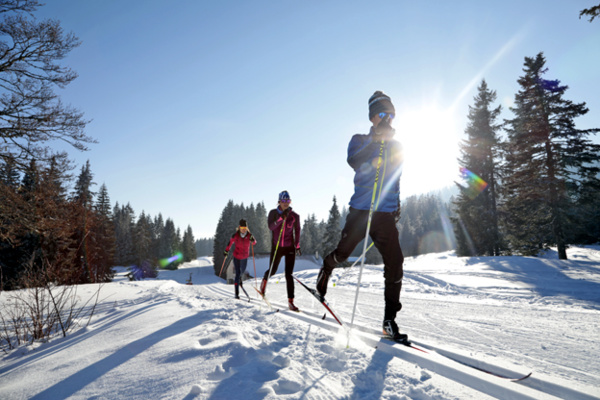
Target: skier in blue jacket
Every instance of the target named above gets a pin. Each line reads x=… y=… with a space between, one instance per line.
x=365 y=154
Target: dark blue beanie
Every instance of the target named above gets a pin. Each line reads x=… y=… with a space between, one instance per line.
x=380 y=102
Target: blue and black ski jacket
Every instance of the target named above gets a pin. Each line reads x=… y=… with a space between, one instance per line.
x=363 y=154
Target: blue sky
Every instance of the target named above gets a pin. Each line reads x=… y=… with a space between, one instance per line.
x=194 y=103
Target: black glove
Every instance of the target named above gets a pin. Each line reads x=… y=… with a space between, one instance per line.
x=384 y=128
x=285 y=213
x=225 y=253
x=298 y=251
x=251 y=238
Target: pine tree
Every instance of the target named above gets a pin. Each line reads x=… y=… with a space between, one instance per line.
x=225 y=227
x=9 y=175
x=124 y=223
x=476 y=223
x=30 y=181
x=254 y=222
x=84 y=235
x=167 y=239
x=83 y=193
x=56 y=177
x=169 y=244
x=343 y=216
x=309 y=236
x=547 y=161
x=333 y=231
x=587 y=214
x=105 y=231
x=178 y=244
x=29 y=243
x=143 y=235
x=159 y=227
x=204 y=247
x=250 y=216
x=20 y=244
x=189 y=250
x=407 y=227
x=103 y=203
x=260 y=229
x=425 y=225
x=9 y=183
x=40 y=228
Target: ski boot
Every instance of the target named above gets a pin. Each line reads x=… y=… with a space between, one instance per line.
x=390 y=330
x=292 y=306
x=263 y=286
x=322 y=281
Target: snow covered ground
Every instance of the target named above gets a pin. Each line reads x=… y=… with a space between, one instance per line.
x=162 y=339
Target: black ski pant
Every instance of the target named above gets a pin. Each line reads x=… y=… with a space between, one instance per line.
x=384 y=234
x=290 y=260
x=240 y=268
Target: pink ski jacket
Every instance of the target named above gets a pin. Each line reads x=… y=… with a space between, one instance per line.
x=290 y=237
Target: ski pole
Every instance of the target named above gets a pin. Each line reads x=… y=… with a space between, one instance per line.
x=362 y=263
x=276 y=248
x=254 y=263
x=222 y=266
x=247 y=295
x=347 y=270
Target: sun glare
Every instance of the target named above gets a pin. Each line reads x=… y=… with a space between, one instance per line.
x=430 y=138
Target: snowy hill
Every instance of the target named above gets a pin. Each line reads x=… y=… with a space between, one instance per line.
x=162 y=339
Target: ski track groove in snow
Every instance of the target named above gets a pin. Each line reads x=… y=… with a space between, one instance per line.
x=163 y=339
x=541 y=388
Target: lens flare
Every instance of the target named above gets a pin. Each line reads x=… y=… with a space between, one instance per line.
x=474 y=184
x=166 y=261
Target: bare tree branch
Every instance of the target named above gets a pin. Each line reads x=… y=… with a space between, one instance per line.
x=591 y=12
x=32 y=116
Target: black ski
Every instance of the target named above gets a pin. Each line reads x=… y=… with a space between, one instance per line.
x=403 y=339
x=497 y=375
x=245 y=293
x=321 y=300
x=490 y=369
x=473 y=365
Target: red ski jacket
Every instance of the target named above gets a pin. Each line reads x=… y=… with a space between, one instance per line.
x=242 y=245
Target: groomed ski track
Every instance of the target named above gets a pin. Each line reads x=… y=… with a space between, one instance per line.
x=450 y=364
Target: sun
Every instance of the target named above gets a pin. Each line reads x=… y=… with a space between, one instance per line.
x=429 y=136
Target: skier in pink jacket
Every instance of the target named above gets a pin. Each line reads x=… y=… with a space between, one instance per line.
x=285 y=228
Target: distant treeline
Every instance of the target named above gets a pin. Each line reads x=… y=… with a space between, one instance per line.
x=51 y=235
x=424 y=227
x=204 y=247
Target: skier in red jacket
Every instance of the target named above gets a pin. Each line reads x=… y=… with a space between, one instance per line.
x=242 y=239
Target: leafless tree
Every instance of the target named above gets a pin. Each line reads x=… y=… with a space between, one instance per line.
x=32 y=116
